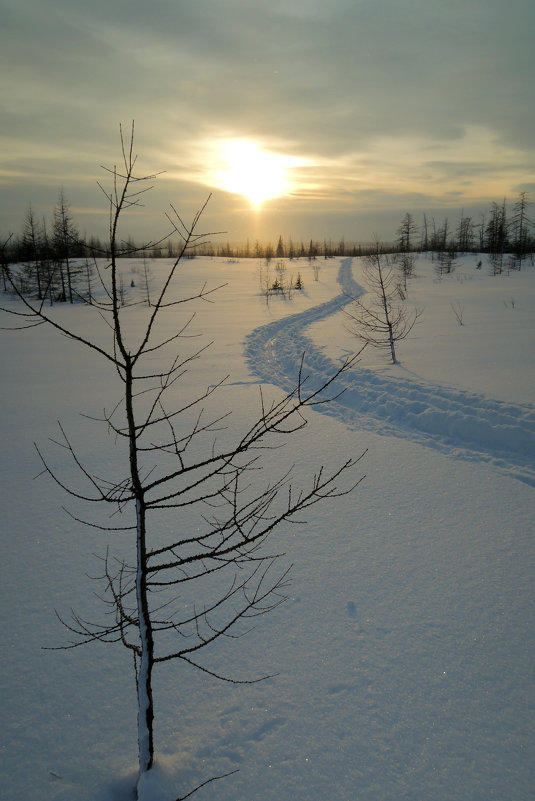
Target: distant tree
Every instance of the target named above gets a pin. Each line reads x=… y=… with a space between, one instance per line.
x=434 y=237
x=442 y=235
x=406 y=244
x=520 y=228
x=424 y=241
x=383 y=320
x=65 y=244
x=87 y=273
x=446 y=262
x=188 y=585
x=92 y=246
x=458 y=310
x=405 y=262
x=33 y=281
x=147 y=281
x=465 y=234
x=280 y=249
x=48 y=265
x=481 y=228
x=406 y=234
x=4 y=259
x=496 y=234
x=291 y=250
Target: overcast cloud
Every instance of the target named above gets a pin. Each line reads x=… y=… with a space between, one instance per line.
x=394 y=105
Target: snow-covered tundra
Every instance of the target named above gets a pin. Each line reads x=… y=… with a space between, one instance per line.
x=404 y=655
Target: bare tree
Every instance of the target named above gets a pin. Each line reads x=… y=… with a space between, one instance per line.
x=496 y=237
x=405 y=262
x=65 y=238
x=383 y=320
x=465 y=234
x=446 y=262
x=520 y=225
x=458 y=309
x=32 y=280
x=406 y=234
x=185 y=589
x=424 y=241
x=4 y=260
x=147 y=281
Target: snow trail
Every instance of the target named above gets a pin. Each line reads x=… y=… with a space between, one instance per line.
x=462 y=424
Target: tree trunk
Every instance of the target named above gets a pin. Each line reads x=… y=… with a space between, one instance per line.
x=391 y=340
x=144 y=677
x=69 y=280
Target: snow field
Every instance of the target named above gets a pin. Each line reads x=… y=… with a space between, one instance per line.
x=405 y=652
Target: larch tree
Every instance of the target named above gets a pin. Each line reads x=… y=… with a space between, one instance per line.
x=187 y=585
x=65 y=238
x=5 y=260
x=33 y=281
x=406 y=234
x=424 y=238
x=465 y=234
x=496 y=236
x=406 y=244
x=520 y=228
x=381 y=319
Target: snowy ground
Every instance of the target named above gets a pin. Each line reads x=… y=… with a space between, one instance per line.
x=405 y=653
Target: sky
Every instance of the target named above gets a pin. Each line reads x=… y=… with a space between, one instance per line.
x=302 y=118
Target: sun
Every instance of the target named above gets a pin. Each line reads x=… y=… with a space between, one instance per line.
x=249 y=170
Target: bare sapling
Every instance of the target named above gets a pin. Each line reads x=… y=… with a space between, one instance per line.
x=182 y=586
x=382 y=319
x=458 y=309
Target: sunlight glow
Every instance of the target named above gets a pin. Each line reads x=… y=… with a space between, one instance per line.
x=247 y=169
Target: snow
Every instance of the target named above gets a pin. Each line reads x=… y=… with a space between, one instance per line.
x=404 y=656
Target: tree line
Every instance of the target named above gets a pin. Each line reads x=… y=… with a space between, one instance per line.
x=57 y=264
x=505 y=233
x=500 y=230
x=48 y=255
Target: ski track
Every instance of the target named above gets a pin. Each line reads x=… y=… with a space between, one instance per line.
x=462 y=424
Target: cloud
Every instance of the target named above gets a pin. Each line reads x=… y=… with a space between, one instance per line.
x=411 y=98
